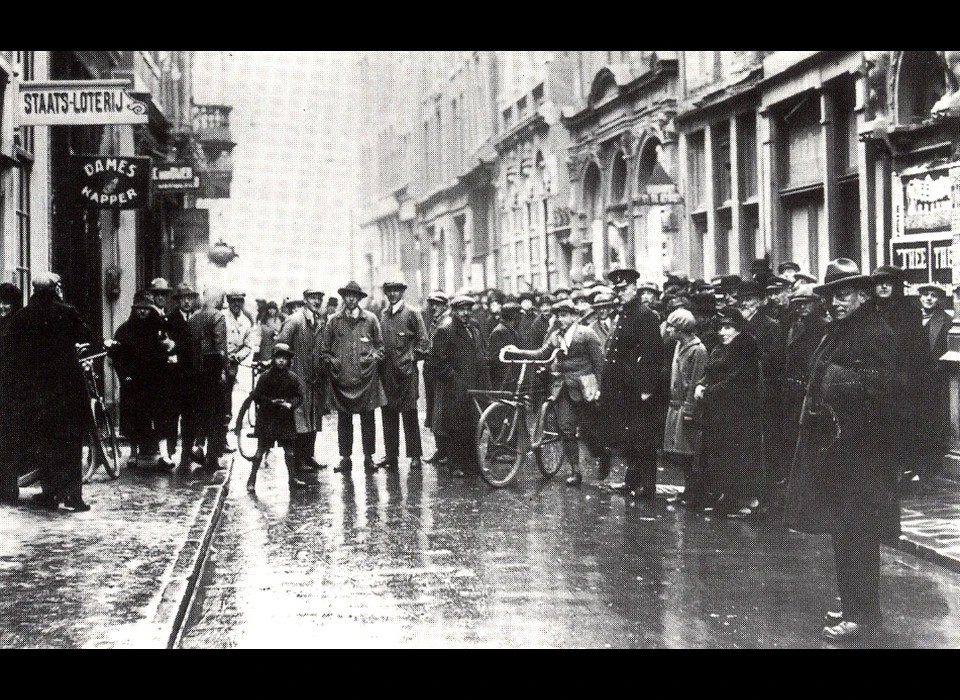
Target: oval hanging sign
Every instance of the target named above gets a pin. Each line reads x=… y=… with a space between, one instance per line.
x=111 y=182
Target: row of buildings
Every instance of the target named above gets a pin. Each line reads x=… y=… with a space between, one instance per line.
x=55 y=120
x=532 y=169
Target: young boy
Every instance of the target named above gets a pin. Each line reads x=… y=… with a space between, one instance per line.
x=277 y=394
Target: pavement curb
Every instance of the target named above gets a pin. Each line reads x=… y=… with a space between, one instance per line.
x=928 y=553
x=178 y=591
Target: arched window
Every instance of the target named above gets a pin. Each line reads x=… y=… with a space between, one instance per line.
x=592 y=202
x=921 y=81
x=618 y=178
x=650 y=171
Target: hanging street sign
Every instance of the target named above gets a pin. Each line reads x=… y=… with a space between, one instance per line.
x=78 y=102
x=110 y=182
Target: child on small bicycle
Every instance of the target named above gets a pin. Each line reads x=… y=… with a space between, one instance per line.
x=576 y=382
x=277 y=394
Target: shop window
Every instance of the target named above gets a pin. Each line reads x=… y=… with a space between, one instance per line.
x=747 y=155
x=696 y=166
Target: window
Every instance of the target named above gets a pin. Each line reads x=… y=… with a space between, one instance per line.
x=921 y=81
x=747 y=155
x=721 y=163
x=507 y=117
x=845 y=132
x=618 y=178
x=538 y=95
x=23 y=225
x=522 y=108
x=803 y=158
x=696 y=157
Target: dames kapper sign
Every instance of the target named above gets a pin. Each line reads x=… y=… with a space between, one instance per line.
x=111 y=182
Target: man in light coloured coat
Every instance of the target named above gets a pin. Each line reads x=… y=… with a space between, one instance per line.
x=303 y=332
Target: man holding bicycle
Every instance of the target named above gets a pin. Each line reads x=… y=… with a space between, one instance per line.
x=44 y=396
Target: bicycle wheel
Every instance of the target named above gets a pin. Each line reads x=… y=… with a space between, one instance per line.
x=243 y=431
x=102 y=445
x=250 y=417
x=499 y=444
x=547 y=445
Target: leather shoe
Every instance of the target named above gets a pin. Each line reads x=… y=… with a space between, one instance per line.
x=848 y=631
x=314 y=464
x=415 y=463
x=574 y=479
x=368 y=465
x=344 y=467
x=44 y=501
x=77 y=505
x=390 y=463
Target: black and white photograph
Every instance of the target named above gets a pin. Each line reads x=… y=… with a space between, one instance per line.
x=495 y=349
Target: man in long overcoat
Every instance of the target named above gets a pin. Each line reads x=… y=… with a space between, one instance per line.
x=352 y=349
x=181 y=391
x=632 y=399
x=207 y=377
x=303 y=332
x=404 y=344
x=460 y=363
x=45 y=405
x=437 y=305
x=843 y=481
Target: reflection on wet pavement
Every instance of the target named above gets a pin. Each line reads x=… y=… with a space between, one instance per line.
x=422 y=559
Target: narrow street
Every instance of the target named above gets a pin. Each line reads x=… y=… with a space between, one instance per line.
x=426 y=560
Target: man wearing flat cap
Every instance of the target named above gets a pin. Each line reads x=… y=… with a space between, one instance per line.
x=788 y=270
x=438 y=309
x=459 y=359
x=352 y=351
x=42 y=390
x=844 y=481
x=632 y=389
x=302 y=331
x=241 y=344
x=404 y=343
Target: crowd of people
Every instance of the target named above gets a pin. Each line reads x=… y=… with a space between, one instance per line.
x=771 y=392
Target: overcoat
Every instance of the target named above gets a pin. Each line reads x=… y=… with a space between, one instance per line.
x=429 y=372
x=844 y=472
x=140 y=361
x=275 y=423
x=460 y=363
x=404 y=343
x=304 y=335
x=935 y=383
x=633 y=364
x=733 y=418
x=803 y=338
x=352 y=349
x=681 y=432
x=502 y=376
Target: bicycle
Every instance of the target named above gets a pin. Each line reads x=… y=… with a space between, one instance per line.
x=243 y=428
x=249 y=418
x=102 y=444
x=503 y=433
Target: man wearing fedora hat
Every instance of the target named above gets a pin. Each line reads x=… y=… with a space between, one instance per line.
x=632 y=402
x=844 y=479
x=404 y=344
x=352 y=350
x=302 y=331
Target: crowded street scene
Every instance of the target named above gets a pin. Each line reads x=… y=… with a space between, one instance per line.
x=520 y=349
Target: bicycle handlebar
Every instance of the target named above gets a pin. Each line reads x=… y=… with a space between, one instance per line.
x=503 y=358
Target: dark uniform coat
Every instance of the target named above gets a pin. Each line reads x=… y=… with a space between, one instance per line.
x=404 y=343
x=633 y=364
x=843 y=476
x=460 y=362
x=352 y=349
x=275 y=423
x=304 y=335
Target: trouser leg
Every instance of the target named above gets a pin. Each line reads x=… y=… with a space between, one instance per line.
x=857 y=562
x=345 y=433
x=368 y=432
x=567 y=419
x=411 y=433
x=390 y=418
x=428 y=386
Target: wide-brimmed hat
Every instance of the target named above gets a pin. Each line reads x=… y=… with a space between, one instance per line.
x=462 y=300
x=282 y=349
x=748 y=288
x=604 y=300
x=352 y=288
x=683 y=320
x=438 y=297
x=932 y=289
x=622 y=276
x=843 y=272
x=888 y=272
x=393 y=284
x=728 y=284
x=158 y=284
x=185 y=290
x=561 y=290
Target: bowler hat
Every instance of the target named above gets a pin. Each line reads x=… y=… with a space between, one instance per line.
x=623 y=275
x=351 y=288
x=682 y=320
x=749 y=288
x=932 y=289
x=728 y=284
x=393 y=284
x=438 y=297
x=282 y=349
x=462 y=300
x=185 y=290
x=564 y=306
x=843 y=272
x=158 y=284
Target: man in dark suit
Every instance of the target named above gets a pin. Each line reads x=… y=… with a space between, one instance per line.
x=207 y=375
x=437 y=304
x=632 y=399
x=181 y=391
x=43 y=391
